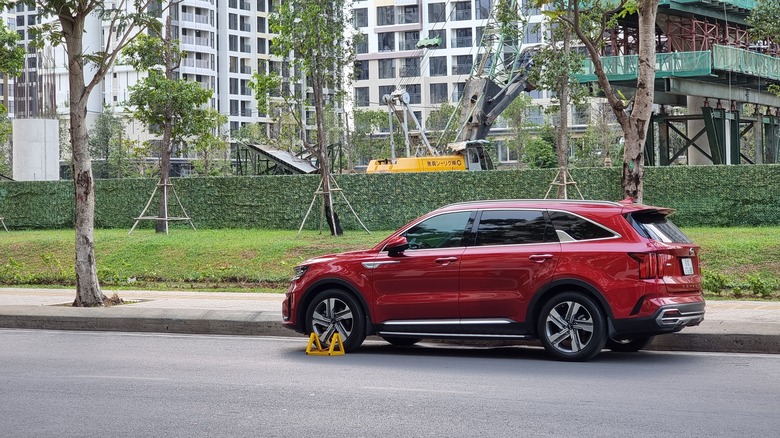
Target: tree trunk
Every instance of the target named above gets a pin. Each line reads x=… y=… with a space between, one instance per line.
x=88 y=291
x=165 y=152
x=634 y=125
x=322 y=149
x=636 y=134
x=562 y=131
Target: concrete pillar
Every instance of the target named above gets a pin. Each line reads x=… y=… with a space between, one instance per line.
x=695 y=157
x=36 y=149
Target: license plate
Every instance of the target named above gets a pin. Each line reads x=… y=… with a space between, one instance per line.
x=687 y=265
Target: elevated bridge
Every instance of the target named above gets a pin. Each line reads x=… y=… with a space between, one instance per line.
x=711 y=83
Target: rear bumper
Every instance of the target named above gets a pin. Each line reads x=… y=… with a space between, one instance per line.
x=667 y=319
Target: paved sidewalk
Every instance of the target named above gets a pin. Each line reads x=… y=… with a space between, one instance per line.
x=729 y=326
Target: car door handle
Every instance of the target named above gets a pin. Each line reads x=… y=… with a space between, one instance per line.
x=446 y=260
x=540 y=258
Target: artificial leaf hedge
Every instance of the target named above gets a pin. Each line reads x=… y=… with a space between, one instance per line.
x=703 y=195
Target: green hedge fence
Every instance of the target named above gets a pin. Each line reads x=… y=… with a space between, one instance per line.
x=702 y=195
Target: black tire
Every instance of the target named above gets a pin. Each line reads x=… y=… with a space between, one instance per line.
x=629 y=345
x=334 y=310
x=401 y=341
x=572 y=327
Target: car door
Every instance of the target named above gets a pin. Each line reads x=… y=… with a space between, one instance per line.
x=514 y=252
x=421 y=283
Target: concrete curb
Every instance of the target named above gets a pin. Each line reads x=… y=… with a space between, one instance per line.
x=717 y=342
x=761 y=338
x=190 y=321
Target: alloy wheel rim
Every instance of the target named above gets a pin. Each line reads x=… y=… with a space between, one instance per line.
x=569 y=327
x=330 y=316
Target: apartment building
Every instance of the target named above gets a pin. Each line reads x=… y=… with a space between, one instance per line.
x=224 y=43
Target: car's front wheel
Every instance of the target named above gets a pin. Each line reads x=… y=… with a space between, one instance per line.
x=629 y=345
x=332 y=311
x=572 y=327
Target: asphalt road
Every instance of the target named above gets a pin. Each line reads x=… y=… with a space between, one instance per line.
x=59 y=383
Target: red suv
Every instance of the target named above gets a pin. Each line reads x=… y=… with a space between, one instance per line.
x=577 y=275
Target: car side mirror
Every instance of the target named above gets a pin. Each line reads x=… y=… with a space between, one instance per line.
x=396 y=246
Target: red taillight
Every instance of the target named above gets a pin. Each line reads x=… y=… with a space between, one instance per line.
x=648 y=264
x=651 y=264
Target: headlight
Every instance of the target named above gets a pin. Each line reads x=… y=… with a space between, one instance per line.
x=298 y=271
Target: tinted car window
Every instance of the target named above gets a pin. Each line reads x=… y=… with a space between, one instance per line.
x=656 y=226
x=442 y=231
x=510 y=227
x=570 y=227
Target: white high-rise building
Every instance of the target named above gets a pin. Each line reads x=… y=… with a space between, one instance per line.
x=224 y=42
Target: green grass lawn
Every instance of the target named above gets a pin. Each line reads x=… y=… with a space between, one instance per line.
x=737 y=262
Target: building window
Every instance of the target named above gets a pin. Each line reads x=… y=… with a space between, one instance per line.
x=411 y=68
x=462 y=11
x=386 y=41
x=233 y=85
x=504 y=152
x=439 y=93
x=483 y=8
x=360 y=17
x=361 y=70
x=414 y=93
x=261 y=22
x=233 y=43
x=463 y=37
x=385 y=15
x=410 y=15
x=386 y=68
x=233 y=21
x=410 y=40
x=385 y=90
x=438 y=65
x=362 y=44
x=458 y=91
x=361 y=96
x=436 y=13
x=441 y=34
x=462 y=64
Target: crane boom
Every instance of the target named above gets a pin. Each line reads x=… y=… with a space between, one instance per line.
x=500 y=73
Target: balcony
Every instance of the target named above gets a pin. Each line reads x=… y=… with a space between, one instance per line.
x=194 y=18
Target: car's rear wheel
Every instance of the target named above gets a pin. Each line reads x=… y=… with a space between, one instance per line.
x=629 y=345
x=401 y=341
x=572 y=327
x=332 y=311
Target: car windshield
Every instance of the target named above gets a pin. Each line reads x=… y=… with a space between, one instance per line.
x=655 y=225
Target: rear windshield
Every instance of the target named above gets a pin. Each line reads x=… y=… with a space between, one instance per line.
x=655 y=225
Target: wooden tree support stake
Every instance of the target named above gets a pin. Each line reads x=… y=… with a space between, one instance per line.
x=165 y=199
x=563 y=179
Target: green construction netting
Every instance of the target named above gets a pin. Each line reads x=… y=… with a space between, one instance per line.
x=744 y=61
x=745 y=4
x=624 y=68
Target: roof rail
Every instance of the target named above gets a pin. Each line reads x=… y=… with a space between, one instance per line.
x=515 y=201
